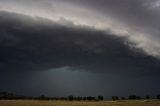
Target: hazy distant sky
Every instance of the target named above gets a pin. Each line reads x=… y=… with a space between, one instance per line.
x=80 y=47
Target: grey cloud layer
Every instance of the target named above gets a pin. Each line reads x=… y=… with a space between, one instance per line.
x=137 y=12
x=30 y=44
x=140 y=17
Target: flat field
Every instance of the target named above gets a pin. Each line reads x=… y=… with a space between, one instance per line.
x=79 y=103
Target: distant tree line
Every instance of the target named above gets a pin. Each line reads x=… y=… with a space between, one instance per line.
x=11 y=96
x=134 y=97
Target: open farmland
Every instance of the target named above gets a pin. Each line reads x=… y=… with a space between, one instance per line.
x=79 y=103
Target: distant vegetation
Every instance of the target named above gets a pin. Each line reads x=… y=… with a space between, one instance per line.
x=115 y=97
x=133 y=97
x=158 y=96
x=10 y=96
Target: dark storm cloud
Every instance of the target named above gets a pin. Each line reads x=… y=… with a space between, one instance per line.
x=35 y=44
x=136 y=19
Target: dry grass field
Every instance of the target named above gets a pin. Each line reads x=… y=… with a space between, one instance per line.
x=79 y=103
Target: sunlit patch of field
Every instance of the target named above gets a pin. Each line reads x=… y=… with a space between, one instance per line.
x=79 y=103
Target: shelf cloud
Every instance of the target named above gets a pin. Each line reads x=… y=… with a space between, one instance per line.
x=38 y=44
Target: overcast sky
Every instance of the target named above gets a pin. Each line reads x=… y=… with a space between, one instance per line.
x=80 y=47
